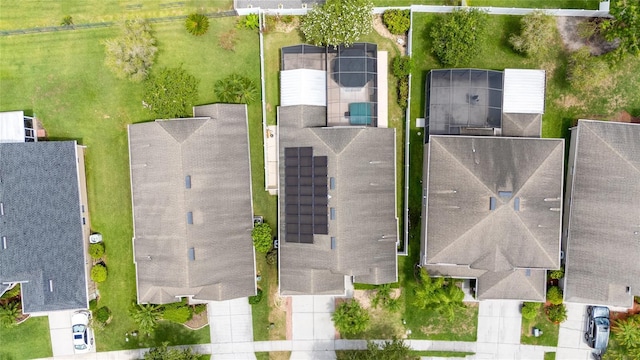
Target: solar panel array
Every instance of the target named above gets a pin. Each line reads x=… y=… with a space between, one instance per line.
x=305 y=195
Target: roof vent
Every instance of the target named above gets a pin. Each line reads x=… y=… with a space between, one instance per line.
x=505 y=194
x=50 y=285
x=332 y=213
x=527 y=272
x=332 y=183
x=516 y=204
x=192 y=254
x=4 y=242
x=190 y=218
x=492 y=203
x=333 y=242
x=1 y=208
x=628 y=290
x=187 y=181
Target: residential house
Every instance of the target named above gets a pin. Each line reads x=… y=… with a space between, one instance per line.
x=192 y=207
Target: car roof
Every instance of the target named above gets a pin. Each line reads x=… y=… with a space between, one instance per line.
x=79 y=318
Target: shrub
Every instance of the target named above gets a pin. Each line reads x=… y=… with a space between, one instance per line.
x=337 y=22
x=180 y=314
x=102 y=315
x=67 y=21
x=132 y=54
x=93 y=304
x=200 y=308
x=170 y=93
x=530 y=310
x=9 y=314
x=146 y=316
x=537 y=30
x=236 y=89
x=255 y=299
x=397 y=21
x=554 y=295
x=197 y=24
x=403 y=92
x=96 y=250
x=401 y=66
x=350 y=318
x=99 y=273
x=556 y=274
x=557 y=313
x=251 y=22
x=272 y=257
x=261 y=235
x=11 y=293
x=457 y=36
x=286 y=19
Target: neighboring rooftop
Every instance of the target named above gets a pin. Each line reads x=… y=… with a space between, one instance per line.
x=337 y=203
x=192 y=207
x=493 y=212
x=41 y=225
x=15 y=127
x=603 y=242
x=484 y=102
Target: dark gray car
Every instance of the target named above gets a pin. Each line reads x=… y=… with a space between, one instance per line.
x=598 y=327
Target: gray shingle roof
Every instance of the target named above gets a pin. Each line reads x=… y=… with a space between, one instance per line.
x=42 y=224
x=603 y=249
x=212 y=150
x=525 y=125
x=523 y=179
x=362 y=163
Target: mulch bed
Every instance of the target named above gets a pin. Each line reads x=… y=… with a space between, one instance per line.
x=198 y=321
x=623 y=315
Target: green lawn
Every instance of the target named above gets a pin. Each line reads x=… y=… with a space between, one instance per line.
x=61 y=78
x=35 y=13
x=264 y=313
x=550 y=331
x=28 y=340
x=549 y=356
x=540 y=4
x=442 y=354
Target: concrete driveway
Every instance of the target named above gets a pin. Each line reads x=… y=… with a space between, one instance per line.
x=312 y=328
x=231 y=328
x=571 y=343
x=60 y=332
x=499 y=327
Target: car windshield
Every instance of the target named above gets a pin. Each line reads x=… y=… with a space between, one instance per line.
x=603 y=324
x=78 y=328
x=81 y=347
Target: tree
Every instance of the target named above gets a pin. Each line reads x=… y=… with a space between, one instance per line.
x=556 y=313
x=585 y=72
x=350 y=318
x=9 y=314
x=397 y=21
x=530 y=310
x=337 y=22
x=537 y=31
x=387 y=350
x=146 y=316
x=625 y=26
x=96 y=250
x=131 y=54
x=383 y=297
x=457 y=36
x=163 y=353
x=554 y=295
x=626 y=332
x=99 y=273
x=438 y=294
x=197 y=24
x=170 y=93
x=261 y=235
x=236 y=89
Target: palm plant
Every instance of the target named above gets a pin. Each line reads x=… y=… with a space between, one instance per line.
x=627 y=331
x=197 y=24
x=146 y=316
x=9 y=314
x=236 y=89
x=350 y=318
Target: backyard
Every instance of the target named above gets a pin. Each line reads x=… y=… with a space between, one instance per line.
x=76 y=97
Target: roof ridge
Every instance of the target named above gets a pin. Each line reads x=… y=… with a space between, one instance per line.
x=613 y=149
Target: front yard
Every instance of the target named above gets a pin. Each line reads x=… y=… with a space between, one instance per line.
x=549 y=330
x=27 y=340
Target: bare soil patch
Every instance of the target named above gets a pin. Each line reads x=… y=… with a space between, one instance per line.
x=568 y=28
x=399 y=40
x=198 y=321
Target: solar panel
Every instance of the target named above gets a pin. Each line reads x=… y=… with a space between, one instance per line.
x=305 y=195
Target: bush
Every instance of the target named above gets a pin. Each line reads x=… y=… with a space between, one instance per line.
x=350 y=318
x=337 y=22
x=557 y=313
x=255 y=299
x=537 y=30
x=272 y=257
x=170 y=93
x=197 y=24
x=554 y=295
x=102 y=315
x=9 y=314
x=131 y=54
x=180 y=314
x=200 y=308
x=530 y=310
x=401 y=66
x=236 y=89
x=96 y=250
x=556 y=274
x=261 y=235
x=397 y=21
x=457 y=37
x=251 y=22
x=93 y=304
x=403 y=92
x=99 y=273
x=13 y=292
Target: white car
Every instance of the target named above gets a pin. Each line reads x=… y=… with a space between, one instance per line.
x=82 y=339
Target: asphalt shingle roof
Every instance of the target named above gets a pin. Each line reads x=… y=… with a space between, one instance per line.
x=362 y=162
x=603 y=246
x=42 y=224
x=522 y=178
x=213 y=258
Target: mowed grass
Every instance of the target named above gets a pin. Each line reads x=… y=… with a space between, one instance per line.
x=538 y=4
x=28 y=340
x=549 y=330
x=35 y=13
x=61 y=78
